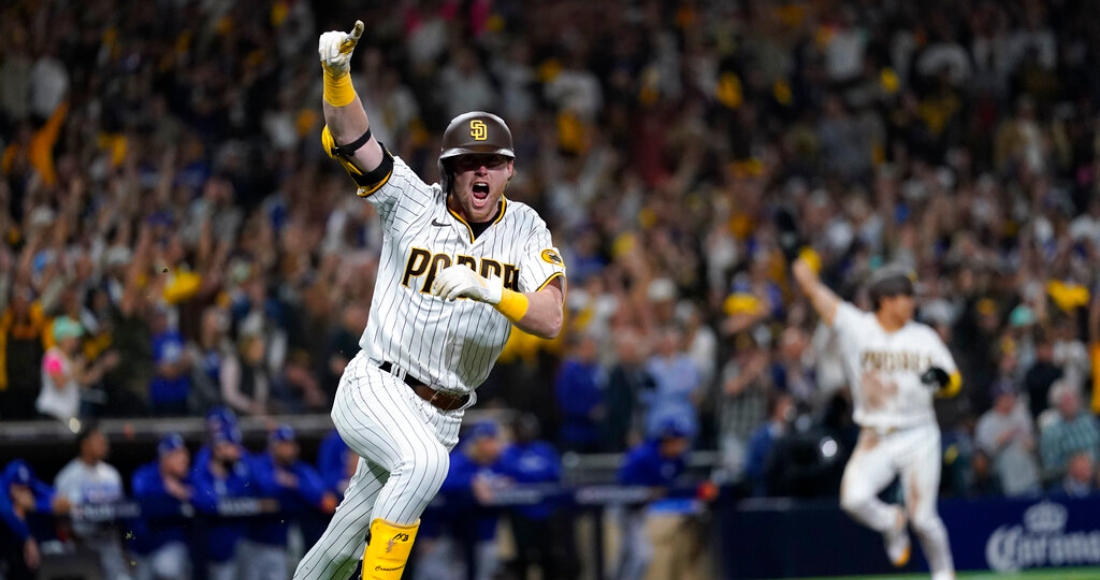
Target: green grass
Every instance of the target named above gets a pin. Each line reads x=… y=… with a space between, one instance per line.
x=1047 y=574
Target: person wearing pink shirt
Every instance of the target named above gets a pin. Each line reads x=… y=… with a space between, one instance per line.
x=65 y=372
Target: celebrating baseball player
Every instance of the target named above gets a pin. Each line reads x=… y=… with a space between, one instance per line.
x=460 y=265
x=895 y=366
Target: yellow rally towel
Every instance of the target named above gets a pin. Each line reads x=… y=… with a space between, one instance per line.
x=388 y=551
x=1067 y=295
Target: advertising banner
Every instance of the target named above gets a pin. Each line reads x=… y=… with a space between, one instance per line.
x=789 y=539
x=1013 y=535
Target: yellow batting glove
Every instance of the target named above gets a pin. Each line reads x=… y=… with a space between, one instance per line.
x=335 y=49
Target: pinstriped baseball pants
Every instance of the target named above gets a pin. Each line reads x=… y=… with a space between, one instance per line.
x=403 y=445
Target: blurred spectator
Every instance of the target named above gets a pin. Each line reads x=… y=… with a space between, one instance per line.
x=1006 y=434
x=299 y=492
x=780 y=413
x=163 y=492
x=89 y=481
x=628 y=384
x=677 y=382
x=131 y=337
x=531 y=461
x=982 y=480
x=475 y=474
x=342 y=344
x=49 y=83
x=1080 y=478
x=579 y=389
x=466 y=84
x=390 y=104
x=171 y=386
x=742 y=401
x=221 y=475
x=246 y=386
x=1069 y=353
x=1041 y=376
x=66 y=374
x=21 y=330
x=794 y=369
x=23 y=495
x=1073 y=429
x=215 y=359
x=656 y=463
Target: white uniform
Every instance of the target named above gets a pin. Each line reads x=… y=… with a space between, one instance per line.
x=452 y=346
x=900 y=436
x=88 y=485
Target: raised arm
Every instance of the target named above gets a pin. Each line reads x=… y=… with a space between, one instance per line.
x=346 y=136
x=824 y=300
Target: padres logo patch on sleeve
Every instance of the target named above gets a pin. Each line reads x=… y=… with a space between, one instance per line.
x=551 y=256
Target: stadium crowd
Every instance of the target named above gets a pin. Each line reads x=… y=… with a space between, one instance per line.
x=175 y=238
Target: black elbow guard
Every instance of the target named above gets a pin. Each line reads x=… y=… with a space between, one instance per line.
x=368 y=182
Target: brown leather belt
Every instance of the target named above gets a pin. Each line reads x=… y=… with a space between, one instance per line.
x=437 y=399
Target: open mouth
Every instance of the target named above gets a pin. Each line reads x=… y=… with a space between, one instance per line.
x=481 y=190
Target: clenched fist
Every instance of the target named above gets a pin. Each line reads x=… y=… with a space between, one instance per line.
x=458 y=281
x=335 y=48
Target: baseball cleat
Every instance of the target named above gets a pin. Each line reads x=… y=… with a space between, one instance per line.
x=898 y=547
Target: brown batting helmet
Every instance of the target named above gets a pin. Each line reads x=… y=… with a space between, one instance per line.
x=889 y=281
x=474 y=132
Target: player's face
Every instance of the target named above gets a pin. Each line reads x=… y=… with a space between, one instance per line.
x=96 y=446
x=479 y=182
x=227 y=452
x=285 y=452
x=177 y=462
x=900 y=307
x=673 y=447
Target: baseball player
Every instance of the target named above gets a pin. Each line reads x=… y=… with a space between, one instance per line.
x=460 y=265
x=895 y=366
x=21 y=496
x=89 y=481
x=336 y=463
x=221 y=472
x=163 y=490
x=300 y=492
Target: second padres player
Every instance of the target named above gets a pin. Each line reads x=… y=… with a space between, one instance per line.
x=895 y=366
x=460 y=265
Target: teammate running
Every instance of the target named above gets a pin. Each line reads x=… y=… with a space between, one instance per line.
x=460 y=265
x=894 y=366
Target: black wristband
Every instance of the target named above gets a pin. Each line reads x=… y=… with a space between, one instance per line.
x=935 y=377
x=346 y=151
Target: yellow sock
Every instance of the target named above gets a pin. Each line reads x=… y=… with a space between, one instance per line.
x=388 y=550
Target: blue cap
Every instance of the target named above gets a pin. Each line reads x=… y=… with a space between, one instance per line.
x=283 y=433
x=18 y=473
x=169 y=443
x=226 y=434
x=482 y=429
x=219 y=416
x=669 y=427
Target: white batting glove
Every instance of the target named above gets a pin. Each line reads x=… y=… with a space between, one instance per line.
x=335 y=48
x=458 y=281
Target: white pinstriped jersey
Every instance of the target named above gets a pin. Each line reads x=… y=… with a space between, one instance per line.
x=884 y=368
x=451 y=346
